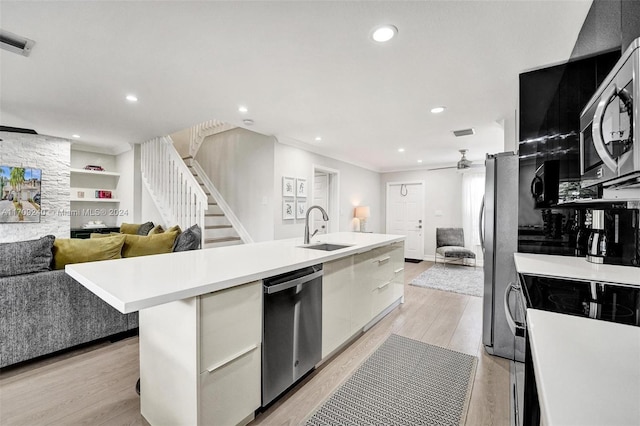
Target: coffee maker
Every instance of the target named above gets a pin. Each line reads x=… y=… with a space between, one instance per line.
x=597 y=245
x=614 y=237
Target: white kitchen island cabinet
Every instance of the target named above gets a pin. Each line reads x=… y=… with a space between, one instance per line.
x=201 y=315
x=221 y=384
x=356 y=290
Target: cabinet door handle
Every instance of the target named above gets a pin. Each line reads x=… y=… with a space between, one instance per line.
x=384 y=259
x=384 y=285
x=398 y=270
x=231 y=358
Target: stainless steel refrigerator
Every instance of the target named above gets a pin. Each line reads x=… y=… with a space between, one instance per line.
x=499 y=237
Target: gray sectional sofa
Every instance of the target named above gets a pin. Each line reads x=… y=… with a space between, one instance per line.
x=45 y=312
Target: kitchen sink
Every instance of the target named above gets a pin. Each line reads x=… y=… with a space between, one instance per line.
x=325 y=246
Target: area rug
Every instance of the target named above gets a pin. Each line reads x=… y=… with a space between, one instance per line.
x=404 y=382
x=454 y=278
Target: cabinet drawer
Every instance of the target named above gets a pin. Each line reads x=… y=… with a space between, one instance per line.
x=383 y=296
x=230 y=322
x=382 y=267
x=232 y=392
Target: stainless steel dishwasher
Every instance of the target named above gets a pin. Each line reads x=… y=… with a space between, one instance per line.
x=292 y=329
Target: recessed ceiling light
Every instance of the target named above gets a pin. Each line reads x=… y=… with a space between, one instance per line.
x=248 y=121
x=400 y=149
x=384 y=33
x=438 y=110
x=75 y=136
x=419 y=161
x=243 y=109
x=318 y=138
x=132 y=98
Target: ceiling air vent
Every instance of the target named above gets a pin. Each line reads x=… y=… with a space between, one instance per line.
x=464 y=132
x=15 y=43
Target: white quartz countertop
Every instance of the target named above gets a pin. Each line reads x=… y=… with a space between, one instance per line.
x=575 y=268
x=136 y=283
x=587 y=371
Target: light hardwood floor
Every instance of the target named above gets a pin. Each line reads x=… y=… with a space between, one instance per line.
x=95 y=385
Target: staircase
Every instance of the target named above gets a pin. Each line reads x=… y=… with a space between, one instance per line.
x=218 y=230
x=184 y=195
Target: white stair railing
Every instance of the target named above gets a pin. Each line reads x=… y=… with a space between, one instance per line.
x=177 y=194
x=222 y=204
x=200 y=131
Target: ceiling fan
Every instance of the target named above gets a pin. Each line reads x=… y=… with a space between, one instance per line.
x=463 y=164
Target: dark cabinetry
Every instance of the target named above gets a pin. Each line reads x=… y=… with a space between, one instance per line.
x=551 y=100
x=86 y=233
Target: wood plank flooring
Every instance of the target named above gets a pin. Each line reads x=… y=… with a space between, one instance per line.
x=95 y=385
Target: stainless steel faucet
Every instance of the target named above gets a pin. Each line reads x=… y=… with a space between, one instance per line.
x=325 y=217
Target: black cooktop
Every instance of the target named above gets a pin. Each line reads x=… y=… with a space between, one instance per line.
x=607 y=302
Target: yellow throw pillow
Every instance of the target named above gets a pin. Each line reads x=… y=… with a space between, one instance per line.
x=99 y=235
x=138 y=245
x=158 y=229
x=130 y=228
x=175 y=228
x=74 y=250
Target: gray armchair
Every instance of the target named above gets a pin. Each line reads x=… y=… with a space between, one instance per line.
x=450 y=246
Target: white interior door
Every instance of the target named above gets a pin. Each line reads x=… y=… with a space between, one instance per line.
x=320 y=198
x=405 y=213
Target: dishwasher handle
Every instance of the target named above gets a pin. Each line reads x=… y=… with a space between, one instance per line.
x=270 y=289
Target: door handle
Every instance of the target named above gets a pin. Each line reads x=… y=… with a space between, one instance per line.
x=516 y=328
x=419 y=227
x=596 y=130
x=481 y=224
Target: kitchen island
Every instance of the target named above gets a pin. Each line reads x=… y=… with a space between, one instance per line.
x=201 y=315
x=586 y=370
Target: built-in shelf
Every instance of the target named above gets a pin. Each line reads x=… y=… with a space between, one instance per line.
x=96 y=200
x=94 y=172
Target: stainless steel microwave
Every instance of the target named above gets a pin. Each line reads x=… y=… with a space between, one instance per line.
x=609 y=146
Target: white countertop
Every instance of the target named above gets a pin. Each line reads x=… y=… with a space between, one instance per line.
x=136 y=283
x=587 y=371
x=575 y=268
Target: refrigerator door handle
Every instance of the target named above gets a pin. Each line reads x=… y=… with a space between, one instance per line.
x=516 y=328
x=481 y=224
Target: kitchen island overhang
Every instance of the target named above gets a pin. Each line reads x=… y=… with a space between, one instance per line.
x=132 y=284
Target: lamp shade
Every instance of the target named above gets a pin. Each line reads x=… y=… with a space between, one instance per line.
x=362 y=212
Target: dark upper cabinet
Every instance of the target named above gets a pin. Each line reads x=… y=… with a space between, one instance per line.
x=629 y=22
x=551 y=100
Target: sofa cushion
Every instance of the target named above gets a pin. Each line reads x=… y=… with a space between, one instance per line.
x=130 y=228
x=455 y=251
x=74 y=250
x=144 y=229
x=189 y=239
x=158 y=229
x=25 y=257
x=138 y=245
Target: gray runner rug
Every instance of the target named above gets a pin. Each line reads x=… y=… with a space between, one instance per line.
x=404 y=382
x=454 y=278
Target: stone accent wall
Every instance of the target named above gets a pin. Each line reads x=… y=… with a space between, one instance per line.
x=53 y=156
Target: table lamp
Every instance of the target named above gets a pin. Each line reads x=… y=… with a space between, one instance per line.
x=363 y=213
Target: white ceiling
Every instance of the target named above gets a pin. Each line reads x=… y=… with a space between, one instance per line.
x=303 y=69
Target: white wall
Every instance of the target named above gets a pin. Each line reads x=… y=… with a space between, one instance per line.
x=52 y=156
x=358 y=186
x=80 y=159
x=240 y=164
x=129 y=188
x=442 y=200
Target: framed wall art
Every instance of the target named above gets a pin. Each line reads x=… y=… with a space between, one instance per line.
x=301 y=187
x=288 y=186
x=288 y=209
x=20 y=194
x=301 y=209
